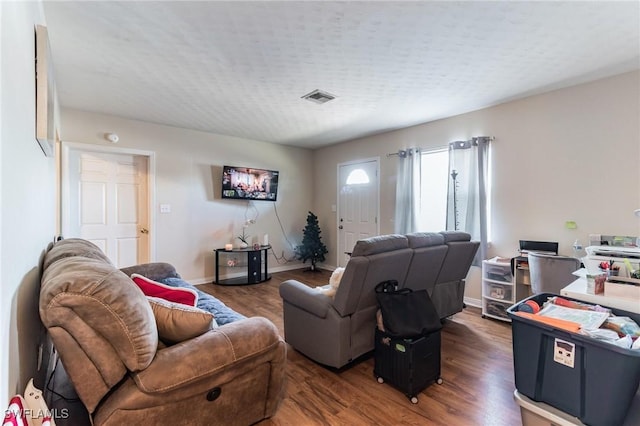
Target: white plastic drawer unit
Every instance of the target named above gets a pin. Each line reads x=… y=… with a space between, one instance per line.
x=497 y=288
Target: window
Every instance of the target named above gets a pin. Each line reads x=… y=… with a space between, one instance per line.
x=357 y=177
x=446 y=189
x=434 y=186
x=434 y=181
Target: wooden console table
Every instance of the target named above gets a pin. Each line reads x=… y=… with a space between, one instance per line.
x=252 y=263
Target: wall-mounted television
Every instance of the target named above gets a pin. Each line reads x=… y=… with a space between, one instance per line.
x=246 y=183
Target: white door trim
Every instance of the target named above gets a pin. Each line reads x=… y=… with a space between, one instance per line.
x=151 y=184
x=337 y=219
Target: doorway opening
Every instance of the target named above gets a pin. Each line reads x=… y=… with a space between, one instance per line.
x=107 y=197
x=358 y=204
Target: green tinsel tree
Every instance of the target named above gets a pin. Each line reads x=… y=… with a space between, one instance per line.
x=312 y=247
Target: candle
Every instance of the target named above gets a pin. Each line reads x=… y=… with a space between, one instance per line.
x=228 y=247
x=265 y=241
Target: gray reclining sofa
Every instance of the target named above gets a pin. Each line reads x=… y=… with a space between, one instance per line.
x=336 y=331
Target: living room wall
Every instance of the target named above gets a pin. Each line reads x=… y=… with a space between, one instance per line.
x=27 y=197
x=188 y=177
x=566 y=155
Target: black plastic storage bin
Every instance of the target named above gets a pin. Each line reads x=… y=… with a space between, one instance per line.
x=600 y=386
x=408 y=364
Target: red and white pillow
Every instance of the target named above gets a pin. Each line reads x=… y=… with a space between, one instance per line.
x=186 y=296
x=16 y=413
x=20 y=414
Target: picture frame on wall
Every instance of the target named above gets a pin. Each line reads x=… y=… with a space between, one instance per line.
x=45 y=93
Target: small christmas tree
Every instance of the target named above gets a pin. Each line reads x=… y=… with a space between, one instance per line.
x=312 y=247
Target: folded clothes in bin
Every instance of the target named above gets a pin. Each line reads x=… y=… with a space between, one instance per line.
x=587 y=378
x=579 y=317
x=587 y=319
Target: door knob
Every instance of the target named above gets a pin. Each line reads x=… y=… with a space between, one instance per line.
x=144 y=231
x=340 y=227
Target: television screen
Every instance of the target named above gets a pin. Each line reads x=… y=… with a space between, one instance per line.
x=244 y=183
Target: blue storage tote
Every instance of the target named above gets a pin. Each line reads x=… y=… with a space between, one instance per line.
x=596 y=381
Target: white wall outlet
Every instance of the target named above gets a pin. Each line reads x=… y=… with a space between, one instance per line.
x=165 y=208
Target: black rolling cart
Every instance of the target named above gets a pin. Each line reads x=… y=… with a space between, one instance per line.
x=410 y=365
x=407 y=339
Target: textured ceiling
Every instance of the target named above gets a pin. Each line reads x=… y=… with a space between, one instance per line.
x=240 y=68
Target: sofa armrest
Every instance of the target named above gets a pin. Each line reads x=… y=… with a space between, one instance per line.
x=212 y=353
x=305 y=298
x=154 y=271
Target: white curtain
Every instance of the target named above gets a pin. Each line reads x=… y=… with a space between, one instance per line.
x=408 y=191
x=467 y=193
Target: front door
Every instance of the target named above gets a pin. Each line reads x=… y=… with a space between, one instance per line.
x=358 y=192
x=108 y=204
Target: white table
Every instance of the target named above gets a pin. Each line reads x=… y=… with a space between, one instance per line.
x=578 y=290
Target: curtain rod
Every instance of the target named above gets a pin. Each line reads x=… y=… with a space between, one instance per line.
x=444 y=148
x=422 y=150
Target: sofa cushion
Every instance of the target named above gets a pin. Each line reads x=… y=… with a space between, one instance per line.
x=425 y=239
x=152 y=288
x=207 y=302
x=74 y=247
x=451 y=236
x=154 y=271
x=177 y=322
x=99 y=305
x=379 y=244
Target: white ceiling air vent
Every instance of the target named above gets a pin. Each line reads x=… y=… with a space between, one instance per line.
x=319 y=97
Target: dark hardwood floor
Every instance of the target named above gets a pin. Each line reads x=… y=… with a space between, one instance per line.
x=477 y=369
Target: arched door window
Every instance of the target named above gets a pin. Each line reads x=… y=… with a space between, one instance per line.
x=357 y=177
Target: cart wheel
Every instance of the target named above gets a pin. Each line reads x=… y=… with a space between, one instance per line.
x=439 y=381
x=414 y=399
x=484 y=316
x=380 y=380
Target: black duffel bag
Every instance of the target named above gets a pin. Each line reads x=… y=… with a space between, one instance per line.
x=406 y=313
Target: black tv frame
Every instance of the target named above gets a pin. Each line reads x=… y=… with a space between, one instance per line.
x=230 y=192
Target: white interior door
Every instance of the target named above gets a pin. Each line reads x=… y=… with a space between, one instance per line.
x=108 y=204
x=358 y=194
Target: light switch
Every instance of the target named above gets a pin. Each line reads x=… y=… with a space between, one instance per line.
x=333 y=208
x=165 y=208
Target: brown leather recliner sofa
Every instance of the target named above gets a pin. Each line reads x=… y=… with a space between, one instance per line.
x=336 y=331
x=105 y=333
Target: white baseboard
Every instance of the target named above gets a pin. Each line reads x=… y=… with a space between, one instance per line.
x=476 y=303
x=278 y=268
